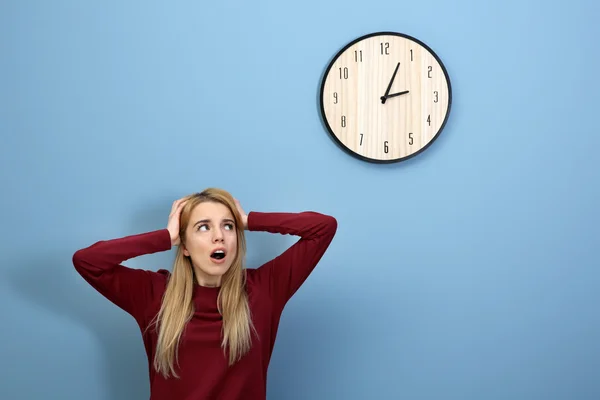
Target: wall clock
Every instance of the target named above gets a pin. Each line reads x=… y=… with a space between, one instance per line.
x=385 y=97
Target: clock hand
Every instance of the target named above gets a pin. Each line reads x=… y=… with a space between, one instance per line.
x=396 y=94
x=385 y=96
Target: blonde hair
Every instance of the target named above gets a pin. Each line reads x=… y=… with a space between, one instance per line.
x=177 y=307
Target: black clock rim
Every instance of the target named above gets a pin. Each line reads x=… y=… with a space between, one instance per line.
x=322 y=90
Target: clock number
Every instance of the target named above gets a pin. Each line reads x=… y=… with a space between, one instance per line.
x=411 y=55
x=410 y=138
x=429 y=69
x=344 y=73
x=384 y=48
x=361 y=138
x=429 y=119
x=386 y=149
x=435 y=93
x=343 y=121
x=358 y=56
x=335 y=98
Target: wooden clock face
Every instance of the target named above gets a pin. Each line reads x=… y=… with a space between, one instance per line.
x=385 y=97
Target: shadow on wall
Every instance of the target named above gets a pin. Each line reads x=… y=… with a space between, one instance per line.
x=50 y=282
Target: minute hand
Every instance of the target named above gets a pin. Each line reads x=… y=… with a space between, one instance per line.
x=396 y=94
x=385 y=96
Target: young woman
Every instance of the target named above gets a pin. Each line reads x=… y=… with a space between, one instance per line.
x=209 y=326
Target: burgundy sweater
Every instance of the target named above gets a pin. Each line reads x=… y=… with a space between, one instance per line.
x=203 y=370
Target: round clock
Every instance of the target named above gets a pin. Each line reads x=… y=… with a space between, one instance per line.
x=385 y=97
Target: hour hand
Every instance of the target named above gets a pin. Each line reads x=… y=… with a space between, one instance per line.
x=396 y=94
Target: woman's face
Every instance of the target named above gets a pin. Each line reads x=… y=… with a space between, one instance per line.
x=211 y=242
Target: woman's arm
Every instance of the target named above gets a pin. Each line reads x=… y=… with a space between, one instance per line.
x=288 y=271
x=130 y=289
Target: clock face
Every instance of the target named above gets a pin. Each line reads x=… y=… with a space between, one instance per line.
x=385 y=97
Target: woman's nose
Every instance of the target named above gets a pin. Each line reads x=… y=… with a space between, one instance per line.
x=218 y=235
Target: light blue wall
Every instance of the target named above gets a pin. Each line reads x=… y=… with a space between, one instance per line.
x=468 y=273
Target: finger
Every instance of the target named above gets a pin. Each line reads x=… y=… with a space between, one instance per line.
x=178 y=209
x=180 y=206
x=177 y=204
x=174 y=205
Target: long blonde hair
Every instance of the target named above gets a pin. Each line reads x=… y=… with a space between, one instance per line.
x=177 y=307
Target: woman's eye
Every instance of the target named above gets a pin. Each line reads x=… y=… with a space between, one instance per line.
x=202 y=227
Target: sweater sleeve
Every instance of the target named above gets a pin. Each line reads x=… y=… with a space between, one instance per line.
x=128 y=288
x=288 y=271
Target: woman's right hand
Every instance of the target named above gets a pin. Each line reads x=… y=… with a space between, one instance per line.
x=173 y=224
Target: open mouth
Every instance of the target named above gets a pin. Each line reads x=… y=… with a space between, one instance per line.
x=218 y=255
